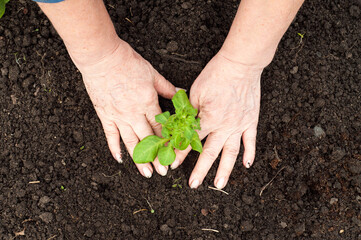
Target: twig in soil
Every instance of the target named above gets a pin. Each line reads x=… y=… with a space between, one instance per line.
x=34 y=182
x=179 y=55
x=28 y=220
x=52 y=237
x=21 y=233
x=129 y=21
x=180 y=59
x=265 y=186
x=118 y=173
x=42 y=63
x=210 y=229
x=213 y=188
x=140 y=210
x=276 y=160
x=151 y=208
x=276 y=153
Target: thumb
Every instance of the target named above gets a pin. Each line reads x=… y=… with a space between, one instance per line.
x=194 y=97
x=163 y=86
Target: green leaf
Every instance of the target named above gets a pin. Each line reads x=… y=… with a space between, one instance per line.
x=180 y=101
x=166 y=155
x=6 y=1
x=2 y=7
x=188 y=133
x=147 y=149
x=176 y=140
x=191 y=111
x=196 y=143
x=165 y=132
x=162 y=118
x=184 y=143
x=197 y=124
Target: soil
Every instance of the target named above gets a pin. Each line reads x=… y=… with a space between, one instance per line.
x=59 y=181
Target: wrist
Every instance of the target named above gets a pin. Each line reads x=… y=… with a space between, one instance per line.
x=92 y=52
x=117 y=56
x=249 y=53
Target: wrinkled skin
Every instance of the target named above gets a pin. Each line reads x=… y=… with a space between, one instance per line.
x=124 y=90
x=227 y=95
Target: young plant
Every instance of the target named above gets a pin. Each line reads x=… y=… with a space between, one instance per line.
x=2 y=7
x=178 y=131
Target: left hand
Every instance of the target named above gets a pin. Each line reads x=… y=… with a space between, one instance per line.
x=227 y=95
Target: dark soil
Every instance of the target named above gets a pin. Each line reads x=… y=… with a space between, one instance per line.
x=50 y=133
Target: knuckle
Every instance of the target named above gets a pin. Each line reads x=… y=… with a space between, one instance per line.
x=231 y=150
x=210 y=153
x=110 y=131
x=150 y=97
x=155 y=125
x=130 y=141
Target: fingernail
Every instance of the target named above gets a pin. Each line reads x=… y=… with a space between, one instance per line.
x=147 y=173
x=177 y=89
x=174 y=165
x=162 y=170
x=248 y=165
x=220 y=183
x=118 y=158
x=195 y=183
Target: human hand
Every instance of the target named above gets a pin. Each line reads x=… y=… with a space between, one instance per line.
x=227 y=94
x=124 y=90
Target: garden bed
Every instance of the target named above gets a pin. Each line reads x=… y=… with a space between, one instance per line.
x=58 y=179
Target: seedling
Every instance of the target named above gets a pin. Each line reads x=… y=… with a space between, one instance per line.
x=2 y=7
x=178 y=131
x=82 y=148
x=150 y=205
x=301 y=37
x=62 y=188
x=176 y=184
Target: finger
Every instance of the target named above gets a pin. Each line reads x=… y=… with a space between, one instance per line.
x=113 y=139
x=212 y=148
x=157 y=128
x=193 y=98
x=130 y=140
x=143 y=129
x=182 y=154
x=163 y=87
x=249 y=143
x=153 y=111
x=228 y=159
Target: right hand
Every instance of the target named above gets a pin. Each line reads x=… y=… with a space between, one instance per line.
x=124 y=89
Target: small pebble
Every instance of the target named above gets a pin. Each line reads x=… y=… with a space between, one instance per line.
x=44 y=200
x=47 y=217
x=186 y=5
x=172 y=46
x=164 y=228
x=89 y=233
x=294 y=70
x=283 y=224
x=319 y=132
x=333 y=201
